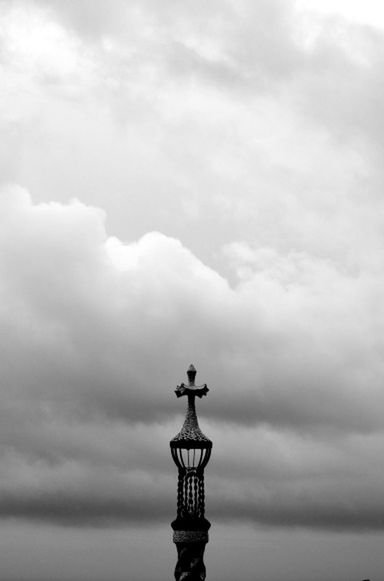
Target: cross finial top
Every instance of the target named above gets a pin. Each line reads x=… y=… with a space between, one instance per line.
x=191 y=389
x=191 y=372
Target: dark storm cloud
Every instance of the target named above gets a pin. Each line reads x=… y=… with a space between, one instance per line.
x=85 y=509
x=305 y=514
x=309 y=488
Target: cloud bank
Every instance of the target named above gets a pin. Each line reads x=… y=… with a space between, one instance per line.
x=97 y=332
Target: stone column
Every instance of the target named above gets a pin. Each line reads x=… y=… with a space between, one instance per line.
x=191 y=450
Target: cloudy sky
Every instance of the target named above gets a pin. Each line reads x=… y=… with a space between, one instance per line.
x=191 y=182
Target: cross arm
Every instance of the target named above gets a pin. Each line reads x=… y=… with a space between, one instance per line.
x=198 y=391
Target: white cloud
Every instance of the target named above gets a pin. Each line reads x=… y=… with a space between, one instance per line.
x=363 y=12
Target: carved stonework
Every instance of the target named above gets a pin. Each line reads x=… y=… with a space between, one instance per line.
x=190 y=537
x=190 y=562
x=190 y=432
x=191 y=450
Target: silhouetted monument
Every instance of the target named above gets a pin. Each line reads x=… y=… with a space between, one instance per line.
x=191 y=450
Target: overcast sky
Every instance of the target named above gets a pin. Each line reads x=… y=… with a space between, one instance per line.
x=191 y=182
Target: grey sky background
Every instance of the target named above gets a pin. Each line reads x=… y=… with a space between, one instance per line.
x=191 y=182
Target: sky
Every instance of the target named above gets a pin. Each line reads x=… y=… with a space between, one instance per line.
x=191 y=182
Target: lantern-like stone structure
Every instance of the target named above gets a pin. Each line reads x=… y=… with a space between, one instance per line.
x=191 y=450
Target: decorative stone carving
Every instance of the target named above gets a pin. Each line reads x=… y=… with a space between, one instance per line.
x=191 y=451
x=190 y=563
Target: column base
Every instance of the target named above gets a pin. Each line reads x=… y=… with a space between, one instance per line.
x=190 y=557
